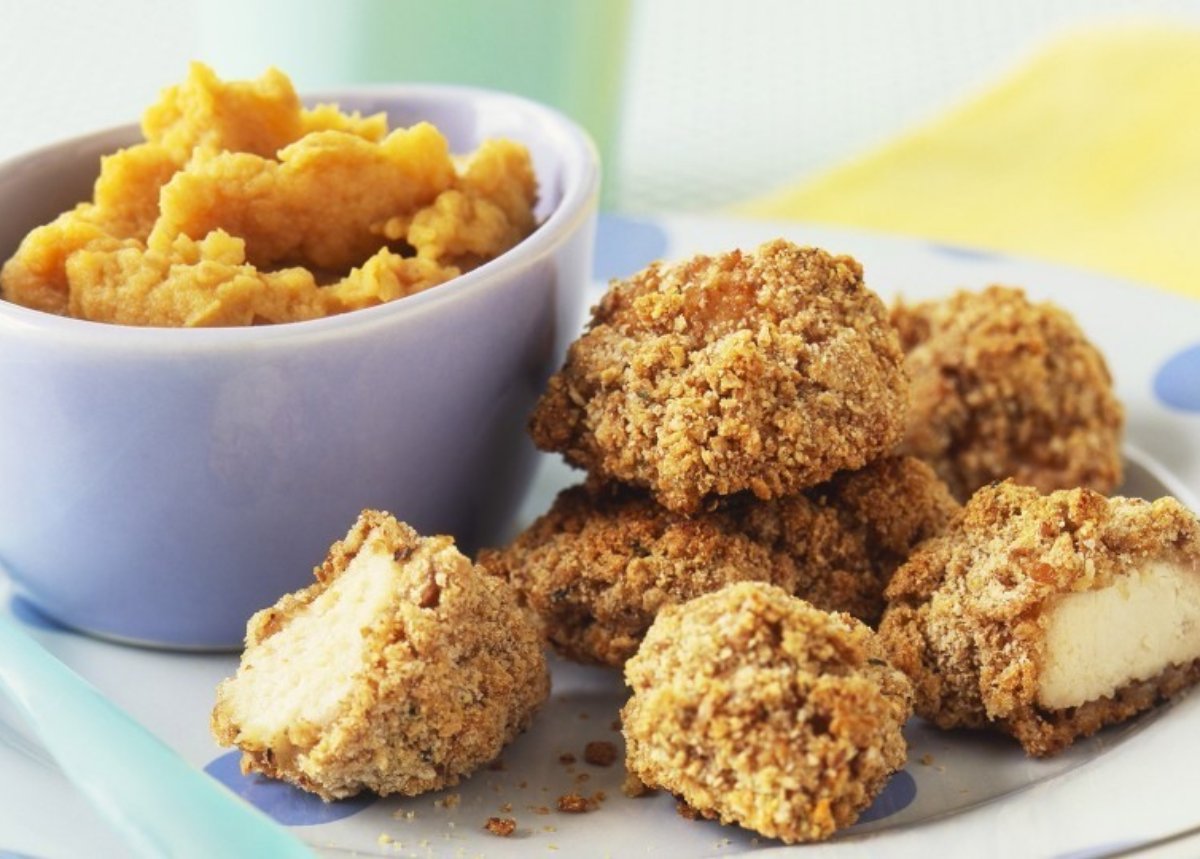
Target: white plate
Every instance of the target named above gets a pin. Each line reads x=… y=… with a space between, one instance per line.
x=978 y=794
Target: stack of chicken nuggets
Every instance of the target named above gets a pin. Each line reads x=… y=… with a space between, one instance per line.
x=743 y=513
x=774 y=467
x=736 y=416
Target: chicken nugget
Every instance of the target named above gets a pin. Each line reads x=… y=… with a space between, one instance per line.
x=758 y=709
x=1002 y=387
x=766 y=371
x=1049 y=616
x=602 y=562
x=401 y=670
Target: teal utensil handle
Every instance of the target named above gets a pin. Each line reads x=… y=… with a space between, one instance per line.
x=158 y=803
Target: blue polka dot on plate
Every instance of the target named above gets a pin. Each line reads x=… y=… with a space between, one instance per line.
x=625 y=245
x=30 y=615
x=1177 y=383
x=898 y=795
x=962 y=252
x=286 y=804
x=1098 y=851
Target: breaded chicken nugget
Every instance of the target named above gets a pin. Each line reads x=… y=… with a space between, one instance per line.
x=1002 y=387
x=400 y=671
x=758 y=709
x=602 y=562
x=1048 y=617
x=765 y=371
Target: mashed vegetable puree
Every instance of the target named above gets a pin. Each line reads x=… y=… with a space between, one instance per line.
x=243 y=207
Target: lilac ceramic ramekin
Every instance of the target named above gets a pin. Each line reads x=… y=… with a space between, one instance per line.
x=160 y=485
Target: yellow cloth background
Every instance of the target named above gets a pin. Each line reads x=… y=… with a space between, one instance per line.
x=1089 y=154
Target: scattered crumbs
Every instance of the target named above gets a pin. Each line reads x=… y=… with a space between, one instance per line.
x=496 y=788
x=501 y=826
x=581 y=778
x=566 y=758
x=753 y=842
x=599 y=796
x=401 y=814
x=384 y=838
x=927 y=759
x=615 y=725
x=551 y=846
x=522 y=784
x=549 y=828
x=686 y=811
x=539 y=809
x=506 y=808
x=724 y=842
x=633 y=786
x=570 y=770
x=573 y=803
x=450 y=823
x=449 y=801
x=497 y=766
x=600 y=753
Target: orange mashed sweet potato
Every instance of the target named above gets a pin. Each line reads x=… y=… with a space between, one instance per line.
x=243 y=207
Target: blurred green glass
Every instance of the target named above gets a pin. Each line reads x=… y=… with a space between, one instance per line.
x=566 y=53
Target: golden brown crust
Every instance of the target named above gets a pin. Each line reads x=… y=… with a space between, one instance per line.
x=1002 y=387
x=765 y=371
x=758 y=709
x=965 y=617
x=451 y=673
x=601 y=563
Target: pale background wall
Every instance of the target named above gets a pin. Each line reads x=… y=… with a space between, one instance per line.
x=729 y=99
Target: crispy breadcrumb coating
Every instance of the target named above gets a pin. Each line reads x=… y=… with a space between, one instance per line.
x=968 y=613
x=601 y=563
x=401 y=670
x=604 y=560
x=847 y=536
x=765 y=371
x=1002 y=387
x=756 y=708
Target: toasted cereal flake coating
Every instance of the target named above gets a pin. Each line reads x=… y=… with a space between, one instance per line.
x=605 y=559
x=765 y=371
x=1002 y=387
x=848 y=535
x=450 y=671
x=758 y=709
x=967 y=613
